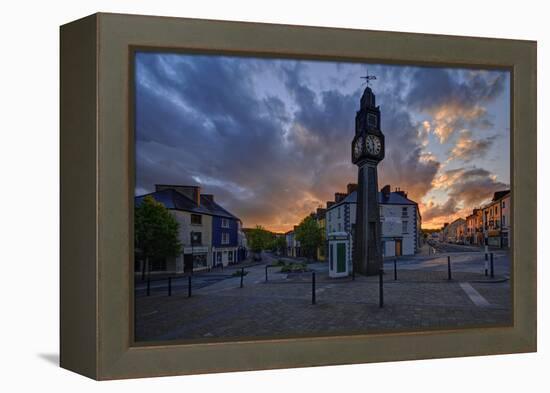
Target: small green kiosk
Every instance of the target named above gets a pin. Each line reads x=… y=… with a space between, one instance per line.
x=339 y=254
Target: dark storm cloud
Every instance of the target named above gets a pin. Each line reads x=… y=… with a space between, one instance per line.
x=454 y=99
x=466 y=188
x=474 y=186
x=272 y=155
x=201 y=121
x=405 y=165
x=467 y=148
x=434 y=211
x=434 y=87
x=330 y=117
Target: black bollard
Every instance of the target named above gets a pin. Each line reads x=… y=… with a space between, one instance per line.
x=169 y=286
x=242 y=275
x=449 y=275
x=381 y=287
x=266 y=273
x=189 y=286
x=148 y=286
x=395 y=268
x=492 y=267
x=312 y=287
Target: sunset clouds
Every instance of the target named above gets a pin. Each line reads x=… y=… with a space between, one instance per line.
x=271 y=138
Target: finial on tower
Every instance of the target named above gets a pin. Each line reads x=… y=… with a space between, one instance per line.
x=368 y=78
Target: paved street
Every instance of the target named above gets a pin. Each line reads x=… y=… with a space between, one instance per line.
x=421 y=298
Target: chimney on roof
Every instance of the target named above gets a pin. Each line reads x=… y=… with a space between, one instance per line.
x=329 y=204
x=320 y=213
x=339 y=196
x=400 y=192
x=386 y=190
x=210 y=197
x=351 y=187
x=191 y=192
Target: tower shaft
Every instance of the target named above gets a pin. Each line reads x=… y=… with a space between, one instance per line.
x=368 y=253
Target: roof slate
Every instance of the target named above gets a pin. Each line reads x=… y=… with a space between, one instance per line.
x=173 y=199
x=394 y=198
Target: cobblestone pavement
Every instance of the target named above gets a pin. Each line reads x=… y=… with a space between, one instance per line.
x=421 y=298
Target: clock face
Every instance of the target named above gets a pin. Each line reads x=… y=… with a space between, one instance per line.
x=358 y=148
x=374 y=146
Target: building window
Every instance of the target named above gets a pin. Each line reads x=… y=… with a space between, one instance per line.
x=329 y=216
x=199 y=260
x=225 y=223
x=405 y=224
x=225 y=238
x=219 y=256
x=196 y=238
x=503 y=205
x=338 y=212
x=503 y=220
x=339 y=227
x=196 y=219
x=230 y=256
x=404 y=211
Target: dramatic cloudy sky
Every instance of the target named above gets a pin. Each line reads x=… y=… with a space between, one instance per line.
x=271 y=138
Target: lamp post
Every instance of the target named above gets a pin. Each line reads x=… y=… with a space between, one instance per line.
x=194 y=239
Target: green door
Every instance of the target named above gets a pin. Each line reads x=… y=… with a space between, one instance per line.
x=341 y=261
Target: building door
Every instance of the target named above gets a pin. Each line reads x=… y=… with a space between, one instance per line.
x=398 y=248
x=188 y=263
x=341 y=258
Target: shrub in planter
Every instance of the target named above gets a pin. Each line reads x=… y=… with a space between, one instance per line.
x=294 y=268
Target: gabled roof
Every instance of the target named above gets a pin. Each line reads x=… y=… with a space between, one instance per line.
x=500 y=194
x=394 y=198
x=175 y=200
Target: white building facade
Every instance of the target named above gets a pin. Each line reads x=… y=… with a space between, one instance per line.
x=292 y=245
x=400 y=224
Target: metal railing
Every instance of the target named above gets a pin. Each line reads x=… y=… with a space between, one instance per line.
x=169 y=287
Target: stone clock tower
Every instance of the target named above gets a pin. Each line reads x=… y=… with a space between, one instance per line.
x=367 y=150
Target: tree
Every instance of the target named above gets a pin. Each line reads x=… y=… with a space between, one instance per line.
x=310 y=236
x=155 y=232
x=258 y=239
x=279 y=244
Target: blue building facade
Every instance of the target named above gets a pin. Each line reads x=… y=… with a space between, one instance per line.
x=225 y=241
x=210 y=235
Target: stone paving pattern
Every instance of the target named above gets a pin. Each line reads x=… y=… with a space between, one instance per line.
x=281 y=307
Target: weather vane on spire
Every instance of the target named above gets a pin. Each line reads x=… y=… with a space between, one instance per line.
x=368 y=78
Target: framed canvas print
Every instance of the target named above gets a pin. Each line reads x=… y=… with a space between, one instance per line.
x=240 y=196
